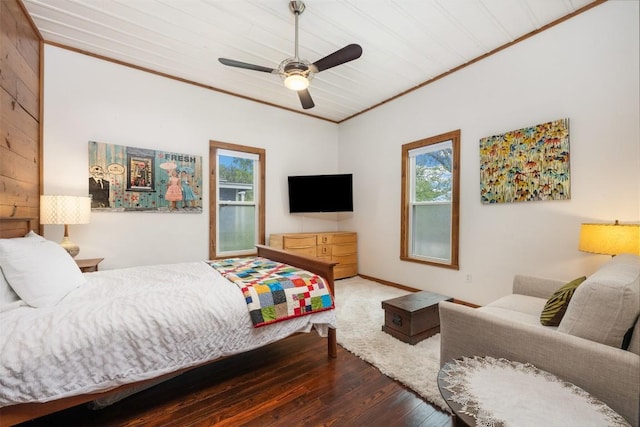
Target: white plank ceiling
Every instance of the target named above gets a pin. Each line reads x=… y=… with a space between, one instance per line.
x=405 y=42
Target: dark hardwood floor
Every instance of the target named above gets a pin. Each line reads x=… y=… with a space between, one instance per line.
x=289 y=383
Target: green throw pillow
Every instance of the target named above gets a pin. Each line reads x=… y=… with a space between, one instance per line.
x=557 y=305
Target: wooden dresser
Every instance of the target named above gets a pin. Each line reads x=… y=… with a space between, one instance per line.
x=337 y=246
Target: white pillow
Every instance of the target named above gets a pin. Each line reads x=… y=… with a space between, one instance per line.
x=34 y=235
x=40 y=271
x=7 y=295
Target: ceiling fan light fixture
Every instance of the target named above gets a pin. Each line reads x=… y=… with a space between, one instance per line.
x=296 y=72
x=296 y=82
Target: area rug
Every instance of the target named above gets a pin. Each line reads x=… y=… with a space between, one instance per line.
x=360 y=318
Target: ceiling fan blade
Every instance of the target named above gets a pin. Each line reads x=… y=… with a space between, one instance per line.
x=238 y=64
x=305 y=99
x=346 y=54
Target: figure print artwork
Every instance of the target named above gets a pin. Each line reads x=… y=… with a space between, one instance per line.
x=125 y=178
x=527 y=164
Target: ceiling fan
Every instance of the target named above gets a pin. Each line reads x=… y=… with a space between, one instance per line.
x=297 y=72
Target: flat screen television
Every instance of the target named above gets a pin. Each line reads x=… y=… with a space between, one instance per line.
x=321 y=193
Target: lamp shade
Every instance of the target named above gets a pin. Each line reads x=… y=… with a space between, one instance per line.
x=610 y=239
x=65 y=210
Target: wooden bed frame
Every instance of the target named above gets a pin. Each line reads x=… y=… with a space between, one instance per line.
x=14 y=414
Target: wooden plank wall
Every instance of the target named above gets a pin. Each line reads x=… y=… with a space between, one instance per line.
x=20 y=112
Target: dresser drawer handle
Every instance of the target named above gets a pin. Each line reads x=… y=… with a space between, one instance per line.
x=397 y=320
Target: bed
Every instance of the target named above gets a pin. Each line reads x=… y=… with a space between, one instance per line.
x=108 y=337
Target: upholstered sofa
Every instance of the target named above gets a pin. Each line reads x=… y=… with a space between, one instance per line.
x=586 y=348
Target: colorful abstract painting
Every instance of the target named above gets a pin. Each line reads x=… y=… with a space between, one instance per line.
x=125 y=178
x=526 y=164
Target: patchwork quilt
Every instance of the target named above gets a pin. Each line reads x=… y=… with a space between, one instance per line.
x=275 y=291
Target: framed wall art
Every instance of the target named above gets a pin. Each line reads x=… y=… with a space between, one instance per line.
x=527 y=164
x=125 y=178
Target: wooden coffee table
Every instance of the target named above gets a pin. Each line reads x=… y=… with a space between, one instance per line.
x=413 y=317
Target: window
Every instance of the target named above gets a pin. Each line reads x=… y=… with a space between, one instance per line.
x=237 y=193
x=430 y=200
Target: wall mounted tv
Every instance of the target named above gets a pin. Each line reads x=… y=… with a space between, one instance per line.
x=321 y=193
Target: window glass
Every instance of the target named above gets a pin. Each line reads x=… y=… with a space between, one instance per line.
x=237 y=225
x=237 y=214
x=430 y=200
x=236 y=178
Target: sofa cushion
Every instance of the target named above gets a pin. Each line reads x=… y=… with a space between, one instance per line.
x=605 y=305
x=634 y=343
x=556 y=306
x=516 y=308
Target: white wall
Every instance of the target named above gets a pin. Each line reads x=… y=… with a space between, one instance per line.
x=86 y=99
x=585 y=69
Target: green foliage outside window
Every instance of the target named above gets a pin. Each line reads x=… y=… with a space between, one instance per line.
x=237 y=170
x=433 y=176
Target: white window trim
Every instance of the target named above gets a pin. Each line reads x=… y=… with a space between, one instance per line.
x=413 y=155
x=256 y=189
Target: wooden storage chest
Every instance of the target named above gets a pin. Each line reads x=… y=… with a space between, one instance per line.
x=413 y=317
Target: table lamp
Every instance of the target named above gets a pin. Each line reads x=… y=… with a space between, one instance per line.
x=610 y=239
x=65 y=210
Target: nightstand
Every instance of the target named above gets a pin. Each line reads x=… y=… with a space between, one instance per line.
x=88 y=265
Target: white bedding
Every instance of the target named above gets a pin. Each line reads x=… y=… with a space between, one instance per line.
x=129 y=325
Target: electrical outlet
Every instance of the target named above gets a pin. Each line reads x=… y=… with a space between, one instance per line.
x=467 y=278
